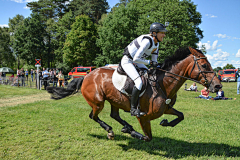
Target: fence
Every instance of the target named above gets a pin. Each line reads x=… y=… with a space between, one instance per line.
x=28 y=82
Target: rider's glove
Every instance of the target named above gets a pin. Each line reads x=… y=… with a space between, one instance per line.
x=154 y=64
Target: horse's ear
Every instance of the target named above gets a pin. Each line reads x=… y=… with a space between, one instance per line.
x=193 y=51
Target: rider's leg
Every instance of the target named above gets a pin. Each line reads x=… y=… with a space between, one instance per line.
x=131 y=71
x=135 y=98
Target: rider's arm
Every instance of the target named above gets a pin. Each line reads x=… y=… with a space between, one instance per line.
x=144 y=46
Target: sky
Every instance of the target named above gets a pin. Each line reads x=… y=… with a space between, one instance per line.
x=220 y=25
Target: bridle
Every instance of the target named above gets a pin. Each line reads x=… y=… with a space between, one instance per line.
x=202 y=72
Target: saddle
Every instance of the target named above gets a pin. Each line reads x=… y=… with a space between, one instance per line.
x=125 y=84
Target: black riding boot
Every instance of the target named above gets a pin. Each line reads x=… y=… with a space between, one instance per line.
x=134 y=103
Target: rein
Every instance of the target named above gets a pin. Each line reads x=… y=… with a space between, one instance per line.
x=200 y=72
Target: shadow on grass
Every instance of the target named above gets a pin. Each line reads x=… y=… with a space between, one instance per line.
x=171 y=148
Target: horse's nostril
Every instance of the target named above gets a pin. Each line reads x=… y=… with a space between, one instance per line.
x=218 y=86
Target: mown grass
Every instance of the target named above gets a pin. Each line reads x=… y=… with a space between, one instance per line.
x=7 y=91
x=62 y=130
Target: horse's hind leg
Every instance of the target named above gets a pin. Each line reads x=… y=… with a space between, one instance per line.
x=94 y=115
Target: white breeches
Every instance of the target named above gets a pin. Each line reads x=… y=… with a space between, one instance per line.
x=127 y=65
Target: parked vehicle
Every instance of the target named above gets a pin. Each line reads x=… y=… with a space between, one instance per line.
x=229 y=75
x=77 y=72
x=220 y=73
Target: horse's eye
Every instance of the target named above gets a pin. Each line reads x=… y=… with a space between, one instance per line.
x=204 y=66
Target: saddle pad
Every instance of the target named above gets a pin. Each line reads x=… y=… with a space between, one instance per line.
x=118 y=80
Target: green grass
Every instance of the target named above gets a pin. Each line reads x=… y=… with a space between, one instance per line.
x=62 y=130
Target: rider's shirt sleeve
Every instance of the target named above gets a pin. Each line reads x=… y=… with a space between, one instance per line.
x=139 y=54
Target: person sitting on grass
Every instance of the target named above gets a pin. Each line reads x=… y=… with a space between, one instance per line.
x=193 y=87
x=205 y=94
x=220 y=95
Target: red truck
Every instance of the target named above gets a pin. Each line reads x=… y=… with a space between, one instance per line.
x=77 y=72
x=229 y=75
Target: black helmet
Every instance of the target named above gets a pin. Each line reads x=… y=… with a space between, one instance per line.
x=157 y=27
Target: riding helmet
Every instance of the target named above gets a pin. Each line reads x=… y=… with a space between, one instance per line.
x=157 y=27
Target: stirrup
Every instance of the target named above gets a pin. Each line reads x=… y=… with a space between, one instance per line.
x=137 y=112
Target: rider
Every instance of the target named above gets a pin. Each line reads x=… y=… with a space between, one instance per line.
x=136 y=52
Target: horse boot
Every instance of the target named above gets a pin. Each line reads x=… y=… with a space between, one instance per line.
x=134 y=103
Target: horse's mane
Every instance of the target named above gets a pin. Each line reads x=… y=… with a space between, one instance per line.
x=179 y=55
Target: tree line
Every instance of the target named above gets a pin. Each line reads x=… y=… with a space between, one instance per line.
x=64 y=33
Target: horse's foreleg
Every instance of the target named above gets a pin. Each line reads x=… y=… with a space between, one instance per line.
x=115 y=115
x=174 y=122
x=127 y=127
x=146 y=127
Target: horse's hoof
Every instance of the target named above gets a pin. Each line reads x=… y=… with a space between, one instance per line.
x=164 y=122
x=110 y=135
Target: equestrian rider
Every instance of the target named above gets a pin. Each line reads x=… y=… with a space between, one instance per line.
x=136 y=52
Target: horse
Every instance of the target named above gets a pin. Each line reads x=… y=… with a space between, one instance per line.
x=163 y=84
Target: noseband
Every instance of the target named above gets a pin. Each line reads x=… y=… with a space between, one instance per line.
x=202 y=72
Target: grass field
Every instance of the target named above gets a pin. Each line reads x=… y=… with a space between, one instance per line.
x=49 y=129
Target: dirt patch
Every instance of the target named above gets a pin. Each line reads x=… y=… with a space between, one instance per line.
x=24 y=99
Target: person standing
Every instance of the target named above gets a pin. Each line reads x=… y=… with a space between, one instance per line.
x=136 y=53
x=238 y=80
x=45 y=75
x=32 y=72
x=22 y=77
x=26 y=74
x=60 y=77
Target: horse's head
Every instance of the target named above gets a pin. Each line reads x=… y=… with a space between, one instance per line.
x=202 y=71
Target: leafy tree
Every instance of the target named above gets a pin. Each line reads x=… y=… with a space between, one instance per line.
x=217 y=69
x=128 y=22
x=6 y=55
x=92 y=8
x=80 y=48
x=62 y=28
x=117 y=31
x=182 y=17
x=13 y=24
x=29 y=40
x=229 y=66
x=49 y=8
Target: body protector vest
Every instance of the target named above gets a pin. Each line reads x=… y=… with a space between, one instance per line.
x=142 y=47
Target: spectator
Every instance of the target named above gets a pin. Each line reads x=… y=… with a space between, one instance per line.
x=60 y=77
x=32 y=72
x=205 y=94
x=55 y=79
x=193 y=87
x=45 y=75
x=238 y=80
x=21 y=75
x=26 y=74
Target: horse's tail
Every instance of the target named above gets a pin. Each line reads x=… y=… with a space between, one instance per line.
x=59 y=93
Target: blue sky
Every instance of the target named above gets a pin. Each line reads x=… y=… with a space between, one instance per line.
x=220 y=25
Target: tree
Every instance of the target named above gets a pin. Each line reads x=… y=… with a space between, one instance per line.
x=6 y=55
x=29 y=40
x=80 y=47
x=229 y=66
x=62 y=28
x=49 y=8
x=92 y=8
x=128 y=22
x=13 y=24
x=183 y=20
x=117 y=31
x=217 y=69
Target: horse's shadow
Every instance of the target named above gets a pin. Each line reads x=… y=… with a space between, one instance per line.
x=172 y=148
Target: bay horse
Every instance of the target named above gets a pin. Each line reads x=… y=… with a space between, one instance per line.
x=186 y=63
